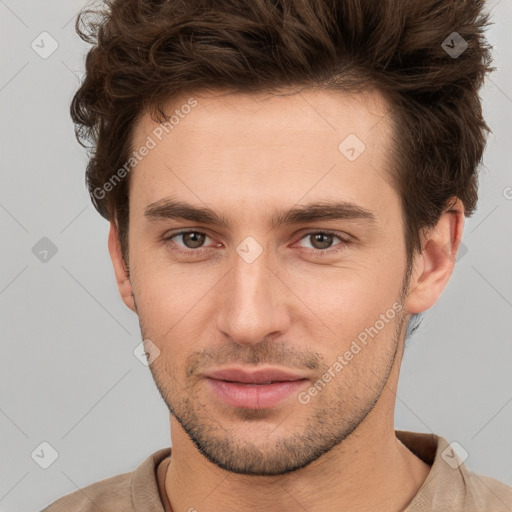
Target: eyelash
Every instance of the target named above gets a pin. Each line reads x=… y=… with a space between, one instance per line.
x=201 y=250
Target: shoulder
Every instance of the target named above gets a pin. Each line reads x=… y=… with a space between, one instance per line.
x=450 y=484
x=486 y=493
x=127 y=492
x=112 y=494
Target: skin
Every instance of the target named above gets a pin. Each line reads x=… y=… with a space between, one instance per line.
x=246 y=157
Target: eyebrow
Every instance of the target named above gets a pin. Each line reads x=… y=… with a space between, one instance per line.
x=172 y=209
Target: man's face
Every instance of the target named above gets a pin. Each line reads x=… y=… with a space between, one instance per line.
x=260 y=291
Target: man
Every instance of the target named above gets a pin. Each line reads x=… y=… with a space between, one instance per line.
x=286 y=183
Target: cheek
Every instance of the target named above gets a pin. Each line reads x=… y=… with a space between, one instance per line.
x=349 y=297
x=178 y=303
x=172 y=302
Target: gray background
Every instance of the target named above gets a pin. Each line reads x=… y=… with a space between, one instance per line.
x=68 y=373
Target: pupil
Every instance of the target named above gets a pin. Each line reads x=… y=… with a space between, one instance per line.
x=318 y=238
x=196 y=239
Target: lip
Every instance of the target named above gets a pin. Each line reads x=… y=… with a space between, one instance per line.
x=256 y=389
x=256 y=376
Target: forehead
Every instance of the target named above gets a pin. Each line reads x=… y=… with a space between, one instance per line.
x=259 y=149
x=294 y=116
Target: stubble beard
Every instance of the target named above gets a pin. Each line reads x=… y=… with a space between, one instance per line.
x=281 y=451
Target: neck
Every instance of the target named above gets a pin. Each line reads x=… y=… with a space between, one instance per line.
x=370 y=470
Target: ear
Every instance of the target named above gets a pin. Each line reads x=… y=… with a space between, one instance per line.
x=120 y=268
x=433 y=267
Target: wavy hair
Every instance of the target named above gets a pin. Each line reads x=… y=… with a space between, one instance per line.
x=146 y=52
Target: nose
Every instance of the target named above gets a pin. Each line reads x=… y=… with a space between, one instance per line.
x=253 y=302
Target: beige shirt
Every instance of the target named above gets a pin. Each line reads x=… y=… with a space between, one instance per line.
x=449 y=486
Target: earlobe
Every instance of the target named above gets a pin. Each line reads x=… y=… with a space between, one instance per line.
x=120 y=269
x=433 y=267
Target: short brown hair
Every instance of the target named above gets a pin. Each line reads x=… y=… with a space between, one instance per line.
x=146 y=52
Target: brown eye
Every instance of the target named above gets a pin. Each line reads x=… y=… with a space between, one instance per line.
x=189 y=242
x=192 y=239
x=321 y=240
